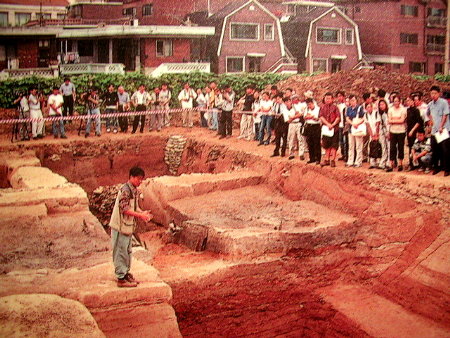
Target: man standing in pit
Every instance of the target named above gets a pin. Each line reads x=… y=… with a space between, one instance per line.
x=123 y=223
x=68 y=92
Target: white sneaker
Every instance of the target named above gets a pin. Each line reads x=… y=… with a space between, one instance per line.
x=108 y=130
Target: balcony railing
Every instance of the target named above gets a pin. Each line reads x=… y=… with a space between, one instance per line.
x=92 y=68
x=435 y=48
x=171 y=68
x=26 y=72
x=436 y=21
x=78 y=21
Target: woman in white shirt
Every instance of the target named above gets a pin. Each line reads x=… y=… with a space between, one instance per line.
x=397 y=133
x=373 y=126
x=312 y=131
x=201 y=105
x=256 y=115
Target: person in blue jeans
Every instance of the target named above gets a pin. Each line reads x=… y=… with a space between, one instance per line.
x=93 y=112
x=266 y=109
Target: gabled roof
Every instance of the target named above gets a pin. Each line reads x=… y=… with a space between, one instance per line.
x=338 y=11
x=228 y=11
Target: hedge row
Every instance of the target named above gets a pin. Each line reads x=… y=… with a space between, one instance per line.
x=9 y=89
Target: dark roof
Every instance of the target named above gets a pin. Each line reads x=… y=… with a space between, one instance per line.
x=296 y=30
x=232 y=6
x=310 y=16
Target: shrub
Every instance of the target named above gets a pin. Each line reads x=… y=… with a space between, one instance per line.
x=131 y=81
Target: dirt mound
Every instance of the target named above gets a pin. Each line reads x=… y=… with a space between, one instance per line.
x=360 y=81
x=41 y=315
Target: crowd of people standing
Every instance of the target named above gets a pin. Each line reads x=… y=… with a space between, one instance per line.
x=373 y=128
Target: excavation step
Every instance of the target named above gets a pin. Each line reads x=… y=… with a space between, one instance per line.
x=256 y=220
x=42 y=313
x=187 y=185
x=117 y=311
x=159 y=191
x=9 y=161
x=378 y=316
x=35 y=177
x=66 y=198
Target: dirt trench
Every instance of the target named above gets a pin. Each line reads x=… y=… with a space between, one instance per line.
x=391 y=256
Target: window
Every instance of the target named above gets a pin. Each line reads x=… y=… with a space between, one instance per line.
x=357 y=9
x=343 y=10
x=147 y=10
x=22 y=18
x=61 y=16
x=129 y=11
x=164 y=48
x=436 y=43
x=268 y=32
x=409 y=10
x=319 y=65
x=291 y=9
x=76 y=11
x=406 y=38
x=3 y=19
x=44 y=43
x=396 y=66
x=44 y=16
x=417 y=67
x=244 y=31
x=235 y=64
x=329 y=35
x=349 y=33
x=436 y=39
x=436 y=12
x=85 y=48
x=438 y=68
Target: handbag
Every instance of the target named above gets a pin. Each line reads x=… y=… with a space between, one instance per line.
x=361 y=130
x=327 y=132
x=375 y=149
x=304 y=129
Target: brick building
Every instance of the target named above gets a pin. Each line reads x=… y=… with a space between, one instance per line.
x=322 y=39
x=20 y=12
x=248 y=38
x=405 y=36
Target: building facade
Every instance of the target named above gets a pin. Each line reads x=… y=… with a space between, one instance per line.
x=248 y=38
x=322 y=39
x=19 y=12
x=406 y=36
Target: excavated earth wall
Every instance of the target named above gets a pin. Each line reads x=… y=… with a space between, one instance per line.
x=268 y=247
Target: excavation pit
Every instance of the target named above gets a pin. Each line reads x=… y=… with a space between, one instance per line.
x=269 y=247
